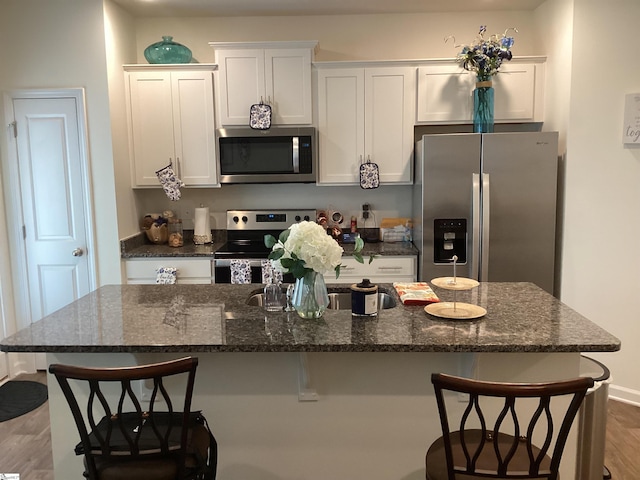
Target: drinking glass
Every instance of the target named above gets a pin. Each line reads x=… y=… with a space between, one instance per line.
x=273 y=298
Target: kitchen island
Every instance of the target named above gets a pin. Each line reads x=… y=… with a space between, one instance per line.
x=338 y=397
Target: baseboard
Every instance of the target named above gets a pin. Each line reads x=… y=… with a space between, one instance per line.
x=623 y=394
x=21 y=363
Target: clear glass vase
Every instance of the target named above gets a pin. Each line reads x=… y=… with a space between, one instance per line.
x=483 y=100
x=310 y=298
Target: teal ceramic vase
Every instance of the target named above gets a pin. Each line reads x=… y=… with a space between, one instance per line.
x=483 y=105
x=310 y=298
x=167 y=51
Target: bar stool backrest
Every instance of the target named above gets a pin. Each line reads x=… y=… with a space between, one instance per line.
x=499 y=445
x=122 y=430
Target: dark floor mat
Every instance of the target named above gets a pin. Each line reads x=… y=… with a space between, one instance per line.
x=20 y=397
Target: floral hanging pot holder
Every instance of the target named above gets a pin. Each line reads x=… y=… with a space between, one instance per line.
x=260 y=116
x=369 y=175
x=170 y=182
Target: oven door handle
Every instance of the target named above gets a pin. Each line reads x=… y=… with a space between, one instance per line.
x=226 y=262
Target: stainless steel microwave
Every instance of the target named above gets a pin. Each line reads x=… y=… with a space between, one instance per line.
x=276 y=155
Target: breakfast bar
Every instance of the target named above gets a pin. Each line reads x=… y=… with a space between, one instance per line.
x=339 y=397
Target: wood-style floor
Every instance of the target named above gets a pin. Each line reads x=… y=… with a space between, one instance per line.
x=25 y=442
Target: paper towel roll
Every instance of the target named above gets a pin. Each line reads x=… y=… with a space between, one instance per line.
x=202 y=226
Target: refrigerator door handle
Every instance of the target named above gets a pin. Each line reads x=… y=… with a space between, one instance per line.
x=484 y=245
x=475 y=226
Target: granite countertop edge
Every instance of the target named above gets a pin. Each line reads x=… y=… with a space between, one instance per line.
x=311 y=349
x=521 y=318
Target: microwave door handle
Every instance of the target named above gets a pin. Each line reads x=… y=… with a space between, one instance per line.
x=296 y=154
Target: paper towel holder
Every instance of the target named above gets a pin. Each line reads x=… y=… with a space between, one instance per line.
x=202 y=228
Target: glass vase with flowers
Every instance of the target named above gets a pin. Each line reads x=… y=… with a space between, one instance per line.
x=308 y=252
x=484 y=56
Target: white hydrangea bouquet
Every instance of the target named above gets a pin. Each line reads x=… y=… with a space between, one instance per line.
x=305 y=247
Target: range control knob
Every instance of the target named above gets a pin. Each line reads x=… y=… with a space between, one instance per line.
x=236 y=219
x=297 y=218
x=306 y=217
x=244 y=219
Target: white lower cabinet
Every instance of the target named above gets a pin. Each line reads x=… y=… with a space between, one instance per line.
x=144 y=270
x=382 y=270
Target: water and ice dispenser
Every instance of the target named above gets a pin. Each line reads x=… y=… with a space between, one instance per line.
x=450 y=238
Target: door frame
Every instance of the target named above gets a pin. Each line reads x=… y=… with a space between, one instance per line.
x=29 y=362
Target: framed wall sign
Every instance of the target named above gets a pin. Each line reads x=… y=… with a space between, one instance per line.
x=631 y=127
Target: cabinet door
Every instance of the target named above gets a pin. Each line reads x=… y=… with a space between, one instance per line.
x=288 y=85
x=241 y=84
x=515 y=92
x=144 y=271
x=340 y=125
x=381 y=270
x=194 y=127
x=444 y=94
x=389 y=120
x=151 y=140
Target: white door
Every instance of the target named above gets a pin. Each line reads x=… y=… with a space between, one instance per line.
x=53 y=249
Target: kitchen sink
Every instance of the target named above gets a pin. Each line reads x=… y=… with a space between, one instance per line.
x=337 y=300
x=342 y=301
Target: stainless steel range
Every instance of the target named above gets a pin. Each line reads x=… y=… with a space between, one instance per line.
x=245 y=239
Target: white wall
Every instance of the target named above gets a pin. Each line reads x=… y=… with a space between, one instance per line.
x=554 y=23
x=344 y=37
x=600 y=268
x=60 y=44
x=385 y=201
x=120 y=49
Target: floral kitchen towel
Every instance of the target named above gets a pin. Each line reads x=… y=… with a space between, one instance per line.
x=260 y=116
x=166 y=275
x=369 y=175
x=416 y=293
x=270 y=274
x=170 y=182
x=240 y=271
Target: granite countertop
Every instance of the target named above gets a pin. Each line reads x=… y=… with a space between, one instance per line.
x=138 y=246
x=215 y=318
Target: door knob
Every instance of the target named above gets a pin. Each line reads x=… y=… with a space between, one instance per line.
x=77 y=252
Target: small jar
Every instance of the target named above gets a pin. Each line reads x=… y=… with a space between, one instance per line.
x=176 y=236
x=364 y=299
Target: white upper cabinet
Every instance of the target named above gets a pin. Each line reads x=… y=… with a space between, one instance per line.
x=365 y=114
x=515 y=94
x=171 y=119
x=445 y=92
x=276 y=73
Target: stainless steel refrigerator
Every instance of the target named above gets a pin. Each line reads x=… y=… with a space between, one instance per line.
x=489 y=199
